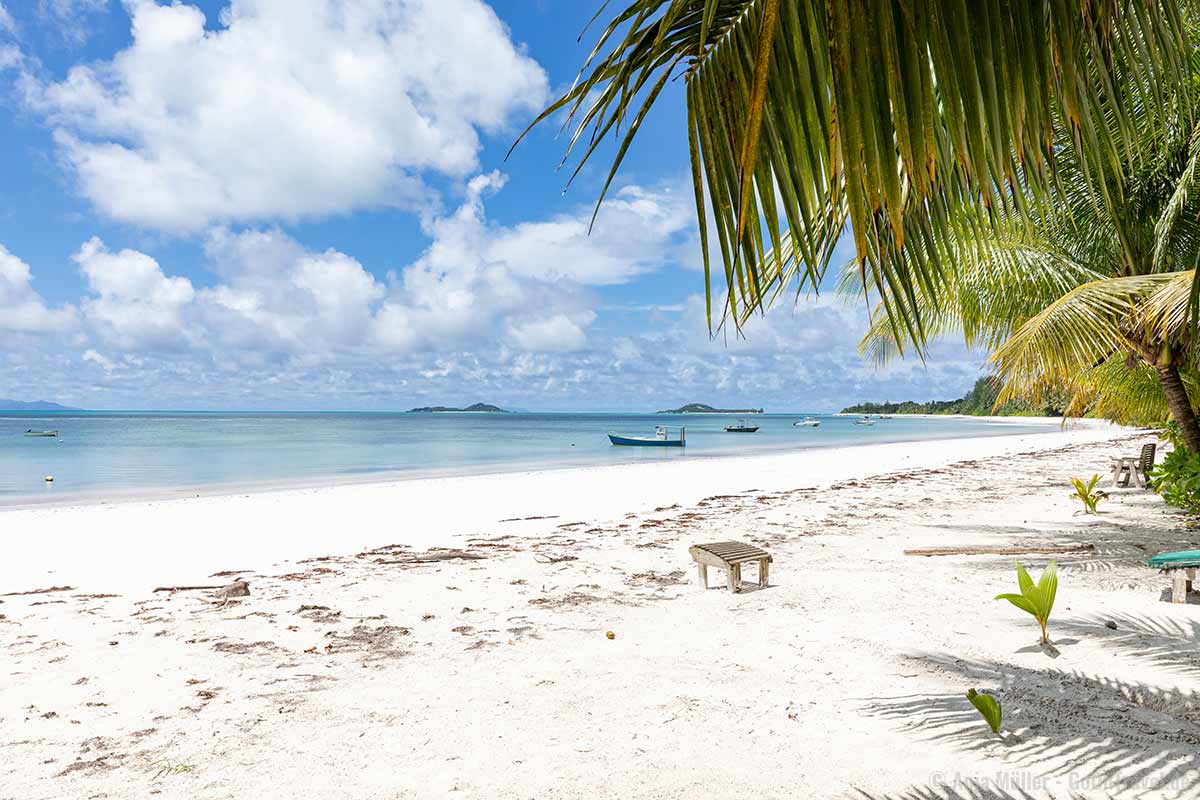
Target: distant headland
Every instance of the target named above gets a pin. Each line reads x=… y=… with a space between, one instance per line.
x=36 y=405
x=701 y=408
x=443 y=409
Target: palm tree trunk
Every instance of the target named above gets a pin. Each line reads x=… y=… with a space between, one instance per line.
x=1179 y=405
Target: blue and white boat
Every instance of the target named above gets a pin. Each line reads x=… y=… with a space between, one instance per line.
x=661 y=438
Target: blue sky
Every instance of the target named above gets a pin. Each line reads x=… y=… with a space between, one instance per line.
x=305 y=204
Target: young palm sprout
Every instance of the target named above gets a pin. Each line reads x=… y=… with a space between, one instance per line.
x=1036 y=599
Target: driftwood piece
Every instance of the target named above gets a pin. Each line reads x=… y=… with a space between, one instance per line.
x=39 y=591
x=1004 y=550
x=433 y=556
x=224 y=591
x=185 y=588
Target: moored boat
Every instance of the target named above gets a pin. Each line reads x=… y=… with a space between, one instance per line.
x=741 y=427
x=32 y=432
x=661 y=438
x=864 y=421
x=807 y=422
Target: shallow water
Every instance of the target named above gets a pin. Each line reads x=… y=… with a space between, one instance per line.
x=100 y=453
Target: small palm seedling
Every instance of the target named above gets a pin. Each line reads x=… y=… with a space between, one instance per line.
x=1086 y=493
x=1037 y=599
x=988 y=708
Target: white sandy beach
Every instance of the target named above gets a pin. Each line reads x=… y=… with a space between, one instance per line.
x=356 y=669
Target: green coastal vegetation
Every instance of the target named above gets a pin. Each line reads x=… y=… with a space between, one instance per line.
x=476 y=408
x=981 y=401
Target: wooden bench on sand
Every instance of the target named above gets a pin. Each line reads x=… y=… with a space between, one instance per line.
x=729 y=556
x=1137 y=469
x=1181 y=566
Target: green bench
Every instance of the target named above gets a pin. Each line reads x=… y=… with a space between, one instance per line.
x=1181 y=566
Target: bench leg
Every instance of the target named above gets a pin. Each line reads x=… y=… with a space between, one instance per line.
x=702 y=569
x=735 y=576
x=763 y=568
x=1179 y=586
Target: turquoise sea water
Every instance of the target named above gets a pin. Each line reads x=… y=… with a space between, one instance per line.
x=110 y=454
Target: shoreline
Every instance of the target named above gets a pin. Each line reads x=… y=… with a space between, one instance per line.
x=103 y=497
x=85 y=545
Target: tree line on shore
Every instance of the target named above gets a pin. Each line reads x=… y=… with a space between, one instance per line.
x=980 y=401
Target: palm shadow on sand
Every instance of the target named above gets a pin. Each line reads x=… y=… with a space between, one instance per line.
x=959 y=790
x=1116 y=736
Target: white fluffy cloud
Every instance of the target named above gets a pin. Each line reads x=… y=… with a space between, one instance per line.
x=803 y=357
x=631 y=230
x=486 y=311
x=287 y=109
x=479 y=291
x=280 y=300
x=21 y=308
x=6 y=21
x=478 y=282
x=133 y=304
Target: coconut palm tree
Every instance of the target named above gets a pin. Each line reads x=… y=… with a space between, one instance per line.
x=1094 y=293
x=889 y=115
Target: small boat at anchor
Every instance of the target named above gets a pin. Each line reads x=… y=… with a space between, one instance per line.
x=661 y=438
x=48 y=434
x=864 y=421
x=807 y=422
x=741 y=427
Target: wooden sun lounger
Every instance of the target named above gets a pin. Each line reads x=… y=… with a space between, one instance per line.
x=729 y=556
x=1136 y=469
x=1181 y=566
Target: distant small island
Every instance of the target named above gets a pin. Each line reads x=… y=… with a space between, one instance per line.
x=701 y=408
x=36 y=405
x=979 y=402
x=475 y=408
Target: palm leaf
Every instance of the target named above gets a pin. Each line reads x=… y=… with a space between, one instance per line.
x=1047 y=586
x=988 y=708
x=977 y=299
x=1020 y=601
x=1082 y=328
x=890 y=114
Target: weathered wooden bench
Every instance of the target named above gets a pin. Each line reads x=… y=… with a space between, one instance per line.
x=1136 y=469
x=1181 y=566
x=729 y=556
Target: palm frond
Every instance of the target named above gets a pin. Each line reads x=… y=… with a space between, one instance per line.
x=979 y=299
x=1127 y=392
x=1086 y=326
x=890 y=114
x=1168 y=312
